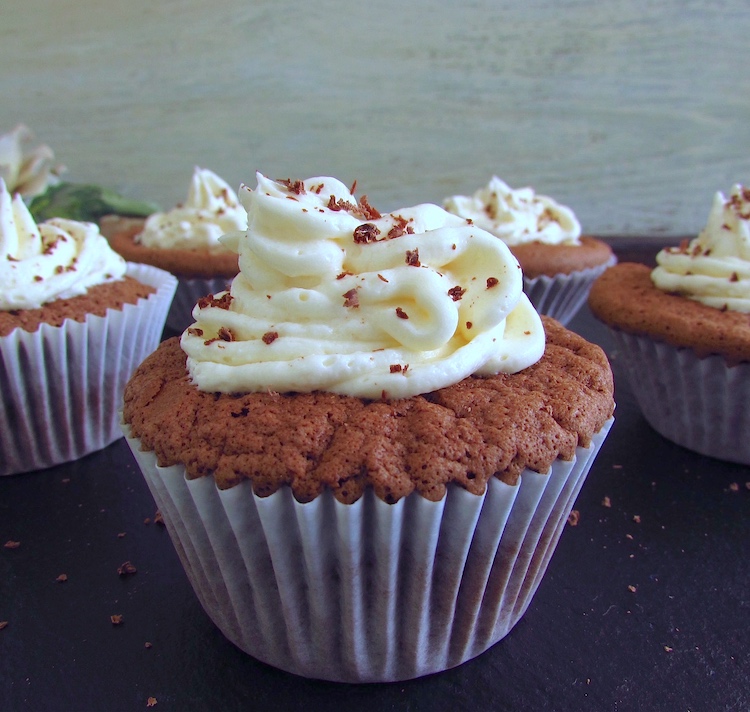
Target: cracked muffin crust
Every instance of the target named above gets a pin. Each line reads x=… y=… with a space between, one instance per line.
x=466 y=433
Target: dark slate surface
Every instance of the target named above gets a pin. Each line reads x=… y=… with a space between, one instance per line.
x=645 y=604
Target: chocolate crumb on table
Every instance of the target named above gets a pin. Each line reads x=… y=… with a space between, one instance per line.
x=116 y=619
x=126 y=569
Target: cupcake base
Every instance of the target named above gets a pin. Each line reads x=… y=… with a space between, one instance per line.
x=698 y=403
x=62 y=385
x=367 y=592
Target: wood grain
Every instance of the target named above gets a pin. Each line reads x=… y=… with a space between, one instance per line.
x=633 y=114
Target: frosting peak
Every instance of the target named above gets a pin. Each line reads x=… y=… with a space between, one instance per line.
x=334 y=296
x=211 y=209
x=714 y=267
x=56 y=259
x=517 y=216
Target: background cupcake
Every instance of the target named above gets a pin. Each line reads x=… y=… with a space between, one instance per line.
x=349 y=499
x=559 y=264
x=185 y=242
x=75 y=320
x=684 y=332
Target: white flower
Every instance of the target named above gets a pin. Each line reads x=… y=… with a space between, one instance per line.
x=26 y=172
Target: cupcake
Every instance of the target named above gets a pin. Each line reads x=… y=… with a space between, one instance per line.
x=559 y=264
x=185 y=242
x=75 y=320
x=684 y=333
x=365 y=451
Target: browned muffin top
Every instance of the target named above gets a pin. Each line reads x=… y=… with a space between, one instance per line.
x=539 y=258
x=184 y=263
x=466 y=433
x=96 y=301
x=624 y=297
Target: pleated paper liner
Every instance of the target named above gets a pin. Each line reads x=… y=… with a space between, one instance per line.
x=563 y=295
x=701 y=404
x=369 y=591
x=61 y=386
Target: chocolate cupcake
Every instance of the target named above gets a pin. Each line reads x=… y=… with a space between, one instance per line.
x=75 y=320
x=684 y=333
x=366 y=450
x=185 y=242
x=559 y=264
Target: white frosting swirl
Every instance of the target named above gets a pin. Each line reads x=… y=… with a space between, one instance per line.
x=332 y=296
x=517 y=216
x=56 y=259
x=713 y=268
x=211 y=209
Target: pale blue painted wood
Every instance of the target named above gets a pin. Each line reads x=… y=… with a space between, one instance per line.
x=634 y=113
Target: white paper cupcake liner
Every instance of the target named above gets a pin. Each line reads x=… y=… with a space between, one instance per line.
x=367 y=592
x=563 y=295
x=699 y=403
x=189 y=291
x=61 y=386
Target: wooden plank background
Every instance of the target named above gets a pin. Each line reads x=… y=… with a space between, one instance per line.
x=633 y=114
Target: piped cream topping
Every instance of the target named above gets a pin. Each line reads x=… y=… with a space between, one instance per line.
x=333 y=296
x=211 y=210
x=517 y=216
x=714 y=267
x=56 y=259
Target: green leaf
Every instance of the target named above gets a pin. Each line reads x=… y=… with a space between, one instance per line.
x=81 y=201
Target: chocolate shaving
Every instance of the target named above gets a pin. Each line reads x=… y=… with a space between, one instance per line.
x=293 y=186
x=368 y=212
x=126 y=569
x=455 y=293
x=341 y=204
x=366 y=233
x=225 y=334
x=492 y=282
x=399 y=227
x=222 y=302
x=269 y=337
x=401 y=314
x=351 y=298
x=412 y=258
